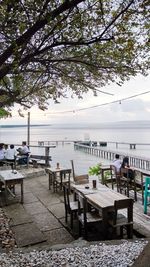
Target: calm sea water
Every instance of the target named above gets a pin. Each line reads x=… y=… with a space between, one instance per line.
x=64 y=153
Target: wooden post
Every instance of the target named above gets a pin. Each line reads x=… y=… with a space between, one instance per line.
x=47 y=155
x=28 y=133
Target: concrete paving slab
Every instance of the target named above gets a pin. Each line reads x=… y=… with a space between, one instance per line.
x=28 y=234
x=58 y=236
x=49 y=200
x=17 y=214
x=32 y=185
x=43 y=193
x=35 y=208
x=46 y=221
x=57 y=209
x=29 y=197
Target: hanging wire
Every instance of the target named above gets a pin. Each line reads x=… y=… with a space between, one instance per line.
x=99 y=105
x=94 y=106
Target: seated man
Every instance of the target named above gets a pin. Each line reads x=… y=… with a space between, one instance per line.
x=1 y=154
x=117 y=163
x=10 y=155
x=23 y=153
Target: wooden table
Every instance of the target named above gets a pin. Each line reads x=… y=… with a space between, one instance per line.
x=104 y=202
x=87 y=189
x=11 y=178
x=62 y=172
x=101 y=198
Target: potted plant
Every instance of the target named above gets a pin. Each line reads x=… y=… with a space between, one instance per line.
x=95 y=170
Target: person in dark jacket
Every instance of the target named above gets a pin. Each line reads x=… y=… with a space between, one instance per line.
x=125 y=164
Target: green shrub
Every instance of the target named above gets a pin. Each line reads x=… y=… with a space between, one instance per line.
x=95 y=170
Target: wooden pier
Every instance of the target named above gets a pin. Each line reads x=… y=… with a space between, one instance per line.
x=131 y=145
x=135 y=161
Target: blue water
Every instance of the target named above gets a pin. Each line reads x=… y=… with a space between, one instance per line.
x=64 y=153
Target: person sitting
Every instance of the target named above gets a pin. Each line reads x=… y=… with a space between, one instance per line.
x=1 y=154
x=5 y=149
x=10 y=155
x=117 y=163
x=125 y=164
x=23 y=153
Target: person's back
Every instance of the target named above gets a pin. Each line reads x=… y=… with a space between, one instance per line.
x=117 y=163
x=11 y=153
x=1 y=152
x=24 y=153
x=125 y=164
x=24 y=149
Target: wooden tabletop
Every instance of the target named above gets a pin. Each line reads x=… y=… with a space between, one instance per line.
x=86 y=189
x=105 y=199
x=55 y=169
x=9 y=175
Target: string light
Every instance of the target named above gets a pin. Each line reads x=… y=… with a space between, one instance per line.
x=99 y=105
x=94 y=106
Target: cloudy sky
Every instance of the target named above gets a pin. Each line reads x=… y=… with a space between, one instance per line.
x=68 y=111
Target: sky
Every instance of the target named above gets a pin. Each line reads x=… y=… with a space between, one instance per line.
x=68 y=111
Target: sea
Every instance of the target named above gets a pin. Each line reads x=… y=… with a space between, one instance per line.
x=137 y=133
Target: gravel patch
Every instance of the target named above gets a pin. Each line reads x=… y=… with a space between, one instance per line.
x=7 y=239
x=122 y=255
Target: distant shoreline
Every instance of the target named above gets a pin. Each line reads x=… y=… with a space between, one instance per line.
x=23 y=125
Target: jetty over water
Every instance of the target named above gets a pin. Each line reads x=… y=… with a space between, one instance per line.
x=135 y=161
x=130 y=145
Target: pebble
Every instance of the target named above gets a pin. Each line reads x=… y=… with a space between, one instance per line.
x=7 y=239
x=100 y=255
x=122 y=255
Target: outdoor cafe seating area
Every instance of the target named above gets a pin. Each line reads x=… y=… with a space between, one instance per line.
x=105 y=205
x=95 y=207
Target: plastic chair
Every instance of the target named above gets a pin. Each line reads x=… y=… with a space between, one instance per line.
x=146 y=193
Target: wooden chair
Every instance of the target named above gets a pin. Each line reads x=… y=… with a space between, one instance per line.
x=62 y=178
x=146 y=194
x=115 y=176
x=120 y=221
x=127 y=184
x=73 y=171
x=86 y=218
x=139 y=183
x=71 y=207
x=79 y=179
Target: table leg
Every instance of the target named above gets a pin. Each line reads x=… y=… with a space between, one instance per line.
x=54 y=182
x=6 y=193
x=50 y=180
x=105 y=223
x=22 y=192
x=103 y=182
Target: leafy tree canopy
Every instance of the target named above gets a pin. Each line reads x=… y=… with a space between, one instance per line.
x=50 y=47
x=4 y=113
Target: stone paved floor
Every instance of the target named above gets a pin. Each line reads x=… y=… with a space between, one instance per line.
x=40 y=220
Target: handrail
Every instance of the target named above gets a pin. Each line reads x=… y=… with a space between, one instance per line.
x=135 y=161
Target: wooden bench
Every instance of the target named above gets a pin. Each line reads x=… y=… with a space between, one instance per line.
x=39 y=160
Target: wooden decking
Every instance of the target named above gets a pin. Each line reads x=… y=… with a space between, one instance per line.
x=141 y=220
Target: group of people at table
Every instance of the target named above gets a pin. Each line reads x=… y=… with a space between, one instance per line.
x=10 y=154
x=123 y=164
